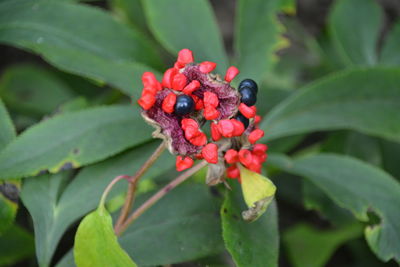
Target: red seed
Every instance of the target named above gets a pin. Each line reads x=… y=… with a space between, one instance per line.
x=226 y=128
x=207 y=66
x=231 y=156
x=169 y=77
x=191 y=132
x=198 y=102
x=259 y=149
x=255 y=165
x=261 y=157
x=185 y=56
x=158 y=86
x=215 y=134
x=150 y=80
x=231 y=73
x=199 y=156
x=210 y=153
x=199 y=105
x=247 y=111
x=210 y=113
x=179 y=82
x=169 y=103
x=233 y=172
x=255 y=135
x=189 y=122
x=210 y=100
x=149 y=90
x=147 y=101
x=245 y=157
x=191 y=87
x=178 y=65
x=257 y=119
x=199 y=140
x=183 y=163
x=238 y=127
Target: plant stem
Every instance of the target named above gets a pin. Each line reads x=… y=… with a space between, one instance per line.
x=110 y=186
x=132 y=184
x=157 y=196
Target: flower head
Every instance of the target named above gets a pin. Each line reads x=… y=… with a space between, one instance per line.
x=191 y=98
x=188 y=97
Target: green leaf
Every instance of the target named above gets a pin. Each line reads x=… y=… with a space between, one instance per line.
x=316 y=199
x=390 y=153
x=183 y=226
x=308 y=246
x=364 y=147
x=285 y=144
x=288 y=6
x=39 y=196
x=354 y=144
x=9 y=194
x=185 y=232
x=73 y=140
x=15 y=245
x=75 y=104
x=187 y=24
x=53 y=215
x=258 y=36
x=106 y=51
x=391 y=46
x=365 y=100
x=67 y=260
x=77 y=0
x=33 y=90
x=269 y=97
x=250 y=244
x=7 y=133
x=288 y=186
x=355 y=27
x=359 y=187
x=131 y=12
x=96 y=243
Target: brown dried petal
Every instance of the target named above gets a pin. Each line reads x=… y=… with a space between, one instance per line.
x=228 y=96
x=168 y=127
x=216 y=173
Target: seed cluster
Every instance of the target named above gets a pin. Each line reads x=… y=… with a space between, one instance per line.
x=188 y=97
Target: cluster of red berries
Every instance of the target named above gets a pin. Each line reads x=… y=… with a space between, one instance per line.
x=251 y=159
x=193 y=103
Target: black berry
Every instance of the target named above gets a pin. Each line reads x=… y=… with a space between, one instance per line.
x=249 y=97
x=184 y=105
x=242 y=119
x=250 y=84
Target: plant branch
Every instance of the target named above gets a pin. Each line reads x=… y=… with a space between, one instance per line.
x=157 y=196
x=132 y=184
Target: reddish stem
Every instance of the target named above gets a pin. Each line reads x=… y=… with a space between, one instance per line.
x=132 y=184
x=157 y=196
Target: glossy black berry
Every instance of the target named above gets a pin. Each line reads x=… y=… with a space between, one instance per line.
x=250 y=84
x=242 y=119
x=249 y=97
x=184 y=105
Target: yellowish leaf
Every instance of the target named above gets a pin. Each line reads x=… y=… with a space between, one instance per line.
x=258 y=192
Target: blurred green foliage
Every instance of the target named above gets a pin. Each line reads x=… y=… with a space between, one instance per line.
x=329 y=79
